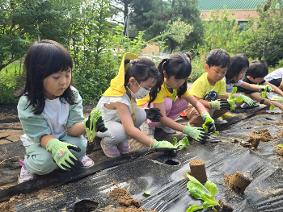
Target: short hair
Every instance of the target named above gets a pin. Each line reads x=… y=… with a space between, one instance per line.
x=257 y=69
x=218 y=57
x=237 y=64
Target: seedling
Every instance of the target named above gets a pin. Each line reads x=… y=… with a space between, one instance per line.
x=206 y=193
x=181 y=144
x=94 y=116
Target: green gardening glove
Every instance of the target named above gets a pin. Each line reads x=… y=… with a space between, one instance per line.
x=162 y=144
x=247 y=100
x=196 y=133
x=61 y=153
x=208 y=125
x=219 y=104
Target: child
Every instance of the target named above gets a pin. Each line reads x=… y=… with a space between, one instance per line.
x=275 y=78
x=255 y=76
x=210 y=87
x=171 y=97
x=118 y=106
x=235 y=74
x=50 y=111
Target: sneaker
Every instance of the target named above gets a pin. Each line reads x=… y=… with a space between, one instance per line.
x=87 y=162
x=167 y=129
x=24 y=175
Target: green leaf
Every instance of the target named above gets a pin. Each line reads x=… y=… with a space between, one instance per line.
x=280 y=145
x=193 y=208
x=205 y=193
x=211 y=187
x=146 y=193
x=182 y=144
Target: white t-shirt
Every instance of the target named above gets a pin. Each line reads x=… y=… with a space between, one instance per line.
x=277 y=74
x=112 y=115
x=229 y=86
x=56 y=114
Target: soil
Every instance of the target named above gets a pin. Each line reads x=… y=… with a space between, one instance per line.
x=237 y=182
x=198 y=170
x=279 y=151
x=224 y=207
x=125 y=200
x=256 y=137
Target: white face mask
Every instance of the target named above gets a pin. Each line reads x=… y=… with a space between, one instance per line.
x=141 y=93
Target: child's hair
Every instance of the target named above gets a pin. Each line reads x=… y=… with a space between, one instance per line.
x=218 y=57
x=44 y=58
x=238 y=63
x=179 y=66
x=257 y=69
x=141 y=69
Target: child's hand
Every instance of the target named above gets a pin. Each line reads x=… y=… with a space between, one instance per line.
x=162 y=144
x=208 y=125
x=61 y=153
x=153 y=114
x=247 y=100
x=220 y=104
x=196 y=133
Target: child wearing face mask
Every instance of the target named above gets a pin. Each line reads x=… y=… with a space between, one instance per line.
x=119 y=110
x=171 y=97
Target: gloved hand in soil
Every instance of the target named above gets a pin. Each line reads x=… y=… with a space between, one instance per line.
x=208 y=125
x=153 y=114
x=240 y=98
x=61 y=153
x=196 y=133
x=220 y=104
x=162 y=144
x=94 y=123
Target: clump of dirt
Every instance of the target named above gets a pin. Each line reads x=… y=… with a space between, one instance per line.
x=237 y=182
x=256 y=137
x=224 y=207
x=279 y=151
x=10 y=205
x=198 y=170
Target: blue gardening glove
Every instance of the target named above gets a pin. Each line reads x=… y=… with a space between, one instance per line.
x=162 y=144
x=220 y=104
x=196 y=133
x=208 y=125
x=61 y=153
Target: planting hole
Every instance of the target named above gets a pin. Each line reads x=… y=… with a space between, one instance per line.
x=85 y=205
x=172 y=162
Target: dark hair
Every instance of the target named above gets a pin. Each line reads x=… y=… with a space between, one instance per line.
x=218 y=57
x=179 y=66
x=141 y=69
x=257 y=69
x=44 y=58
x=238 y=63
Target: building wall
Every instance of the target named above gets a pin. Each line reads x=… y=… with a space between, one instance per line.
x=240 y=15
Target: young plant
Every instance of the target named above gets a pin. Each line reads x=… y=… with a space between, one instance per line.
x=206 y=193
x=181 y=144
x=94 y=115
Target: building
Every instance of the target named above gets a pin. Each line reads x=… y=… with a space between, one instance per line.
x=242 y=10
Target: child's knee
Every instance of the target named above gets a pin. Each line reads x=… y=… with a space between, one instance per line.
x=40 y=164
